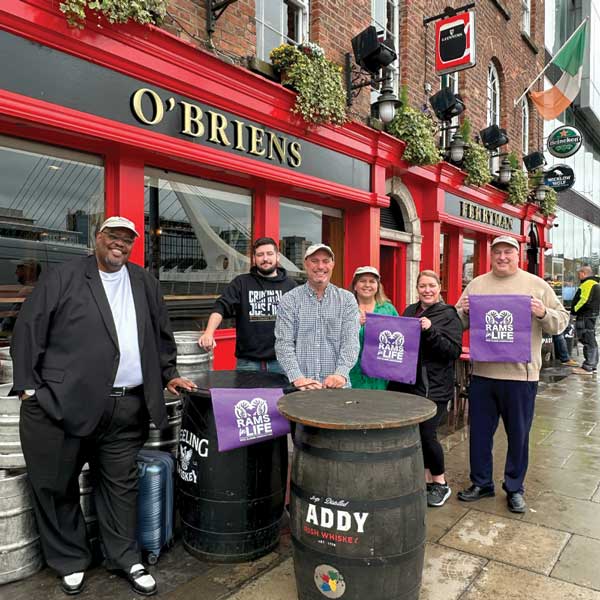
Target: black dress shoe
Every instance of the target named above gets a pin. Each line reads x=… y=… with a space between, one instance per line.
x=516 y=502
x=69 y=588
x=476 y=492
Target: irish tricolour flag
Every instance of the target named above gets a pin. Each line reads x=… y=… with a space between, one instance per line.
x=550 y=103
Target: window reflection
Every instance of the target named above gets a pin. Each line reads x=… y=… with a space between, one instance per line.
x=469 y=270
x=51 y=202
x=300 y=226
x=197 y=239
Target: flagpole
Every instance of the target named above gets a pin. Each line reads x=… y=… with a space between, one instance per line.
x=546 y=67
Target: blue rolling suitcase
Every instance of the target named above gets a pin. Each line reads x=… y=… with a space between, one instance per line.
x=155 y=502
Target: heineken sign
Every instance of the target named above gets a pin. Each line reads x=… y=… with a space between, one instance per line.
x=559 y=178
x=564 y=141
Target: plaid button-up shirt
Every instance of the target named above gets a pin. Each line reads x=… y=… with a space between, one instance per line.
x=316 y=337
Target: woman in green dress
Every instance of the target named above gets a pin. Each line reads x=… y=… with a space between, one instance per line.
x=368 y=291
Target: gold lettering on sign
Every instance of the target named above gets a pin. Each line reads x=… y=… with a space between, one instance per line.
x=487 y=216
x=138 y=111
x=256 y=141
x=218 y=126
x=192 y=120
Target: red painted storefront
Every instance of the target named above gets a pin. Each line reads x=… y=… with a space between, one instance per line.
x=162 y=61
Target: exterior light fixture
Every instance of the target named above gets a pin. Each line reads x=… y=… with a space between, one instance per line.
x=493 y=137
x=540 y=193
x=446 y=104
x=505 y=172
x=456 y=150
x=371 y=56
x=388 y=102
x=534 y=161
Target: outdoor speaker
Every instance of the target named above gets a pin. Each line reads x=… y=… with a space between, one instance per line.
x=446 y=104
x=493 y=137
x=371 y=53
x=534 y=161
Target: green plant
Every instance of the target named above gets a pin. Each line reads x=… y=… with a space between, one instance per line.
x=321 y=95
x=548 y=205
x=417 y=130
x=477 y=160
x=285 y=56
x=116 y=11
x=518 y=188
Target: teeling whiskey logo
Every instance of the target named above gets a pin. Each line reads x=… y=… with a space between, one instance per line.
x=216 y=128
x=485 y=215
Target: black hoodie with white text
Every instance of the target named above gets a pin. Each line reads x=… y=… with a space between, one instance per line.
x=253 y=299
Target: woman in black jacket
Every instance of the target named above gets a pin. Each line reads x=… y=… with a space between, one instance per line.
x=441 y=345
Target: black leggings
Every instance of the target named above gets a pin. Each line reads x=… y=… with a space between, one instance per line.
x=433 y=453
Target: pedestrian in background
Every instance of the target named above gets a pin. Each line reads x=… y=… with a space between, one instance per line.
x=370 y=296
x=441 y=345
x=585 y=307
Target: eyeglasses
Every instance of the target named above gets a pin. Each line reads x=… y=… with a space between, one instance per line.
x=117 y=238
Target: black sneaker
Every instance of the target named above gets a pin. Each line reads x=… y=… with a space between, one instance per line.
x=438 y=493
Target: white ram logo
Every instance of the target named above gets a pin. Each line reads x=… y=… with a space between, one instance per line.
x=244 y=409
x=388 y=338
x=493 y=317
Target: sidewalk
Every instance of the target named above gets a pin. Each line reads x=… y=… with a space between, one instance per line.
x=475 y=551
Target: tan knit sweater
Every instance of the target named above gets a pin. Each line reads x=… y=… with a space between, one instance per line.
x=555 y=321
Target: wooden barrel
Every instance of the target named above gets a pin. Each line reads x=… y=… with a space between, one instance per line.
x=357 y=493
x=20 y=552
x=192 y=361
x=167 y=439
x=231 y=503
x=11 y=455
x=6 y=365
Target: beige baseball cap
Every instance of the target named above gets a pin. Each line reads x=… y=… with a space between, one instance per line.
x=114 y=222
x=506 y=239
x=316 y=247
x=365 y=270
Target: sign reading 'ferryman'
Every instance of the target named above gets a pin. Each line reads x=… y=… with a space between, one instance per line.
x=459 y=207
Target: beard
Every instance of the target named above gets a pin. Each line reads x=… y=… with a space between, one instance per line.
x=266 y=272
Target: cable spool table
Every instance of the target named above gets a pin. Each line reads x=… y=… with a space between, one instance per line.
x=357 y=493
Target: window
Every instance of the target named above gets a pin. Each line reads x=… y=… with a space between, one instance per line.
x=197 y=239
x=51 y=203
x=384 y=15
x=278 y=22
x=493 y=96
x=300 y=226
x=525 y=127
x=469 y=267
x=526 y=17
x=450 y=80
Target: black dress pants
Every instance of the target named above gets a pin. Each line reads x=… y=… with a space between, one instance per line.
x=54 y=461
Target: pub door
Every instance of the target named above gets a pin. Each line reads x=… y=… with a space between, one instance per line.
x=392 y=261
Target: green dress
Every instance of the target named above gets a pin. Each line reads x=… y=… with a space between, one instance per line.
x=357 y=378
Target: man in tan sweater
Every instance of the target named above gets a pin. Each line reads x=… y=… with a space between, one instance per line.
x=503 y=389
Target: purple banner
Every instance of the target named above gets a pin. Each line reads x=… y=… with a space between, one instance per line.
x=500 y=327
x=391 y=347
x=247 y=416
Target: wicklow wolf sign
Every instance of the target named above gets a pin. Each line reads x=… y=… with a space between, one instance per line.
x=500 y=328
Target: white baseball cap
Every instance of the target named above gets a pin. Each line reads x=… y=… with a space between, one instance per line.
x=369 y=270
x=114 y=222
x=316 y=247
x=506 y=239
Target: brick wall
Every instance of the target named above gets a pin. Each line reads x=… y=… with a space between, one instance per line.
x=333 y=23
x=498 y=40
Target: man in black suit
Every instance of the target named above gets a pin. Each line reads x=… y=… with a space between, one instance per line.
x=92 y=351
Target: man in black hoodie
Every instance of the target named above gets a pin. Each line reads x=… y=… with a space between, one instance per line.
x=253 y=298
x=585 y=307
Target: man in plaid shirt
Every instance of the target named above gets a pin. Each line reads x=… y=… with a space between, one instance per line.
x=316 y=331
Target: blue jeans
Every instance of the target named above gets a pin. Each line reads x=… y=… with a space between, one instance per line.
x=560 y=347
x=272 y=366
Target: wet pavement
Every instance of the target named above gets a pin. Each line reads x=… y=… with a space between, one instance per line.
x=474 y=551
